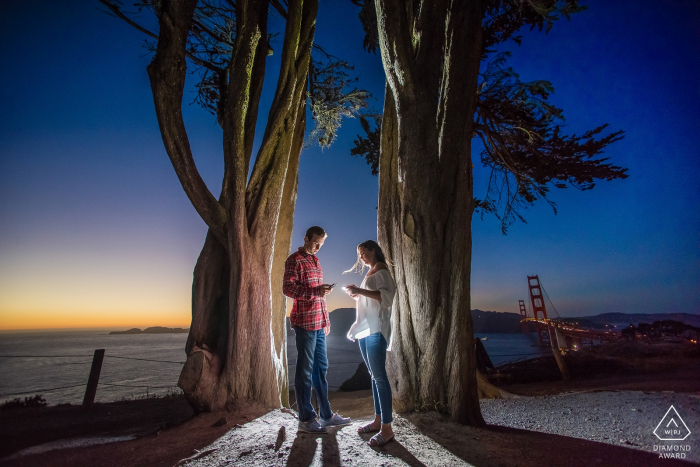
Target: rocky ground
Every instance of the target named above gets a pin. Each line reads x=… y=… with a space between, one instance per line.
x=601 y=428
x=606 y=420
x=620 y=418
x=591 y=428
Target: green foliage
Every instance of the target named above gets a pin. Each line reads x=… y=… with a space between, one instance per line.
x=525 y=148
x=667 y=327
x=504 y=18
x=329 y=96
x=369 y=147
x=209 y=49
x=523 y=145
x=368 y=18
x=209 y=44
x=18 y=403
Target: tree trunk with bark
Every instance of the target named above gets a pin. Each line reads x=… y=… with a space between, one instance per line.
x=431 y=58
x=236 y=346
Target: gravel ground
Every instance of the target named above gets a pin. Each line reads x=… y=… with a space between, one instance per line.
x=583 y=429
x=260 y=443
x=626 y=418
x=623 y=420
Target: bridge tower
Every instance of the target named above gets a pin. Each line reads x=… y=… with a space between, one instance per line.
x=533 y=283
x=523 y=315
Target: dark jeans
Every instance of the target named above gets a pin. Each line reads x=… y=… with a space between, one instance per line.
x=312 y=366
x=373 y=348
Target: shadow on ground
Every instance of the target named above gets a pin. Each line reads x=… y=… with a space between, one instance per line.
x=503 y=446
x=271 y=439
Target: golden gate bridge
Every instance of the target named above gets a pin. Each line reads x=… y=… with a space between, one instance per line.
x=556 y=332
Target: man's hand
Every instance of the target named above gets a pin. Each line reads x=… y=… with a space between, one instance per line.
x=326 y=289
x=327 y=329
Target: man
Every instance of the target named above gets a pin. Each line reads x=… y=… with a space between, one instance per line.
x=303 y=281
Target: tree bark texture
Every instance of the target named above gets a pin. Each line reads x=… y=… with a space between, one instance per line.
x=236 y=346
x=431 y=58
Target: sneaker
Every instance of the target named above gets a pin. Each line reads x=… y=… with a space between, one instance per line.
x=335 y=420
x=312 y=426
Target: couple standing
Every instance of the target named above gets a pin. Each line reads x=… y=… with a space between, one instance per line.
x=303 y=282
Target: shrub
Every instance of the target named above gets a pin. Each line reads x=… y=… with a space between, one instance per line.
x=18 y=403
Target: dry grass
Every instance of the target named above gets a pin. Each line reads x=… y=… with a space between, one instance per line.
x=170 y=394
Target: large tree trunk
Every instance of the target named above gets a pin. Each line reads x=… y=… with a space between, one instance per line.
x=426 y=203
x=283 y=245
x=237 y=342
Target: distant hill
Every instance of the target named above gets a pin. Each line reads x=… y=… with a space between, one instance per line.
x=153 y=330
x=493 y=321
x=497 y=322
x=341 y=320
x=636 y=318
x=484 y=321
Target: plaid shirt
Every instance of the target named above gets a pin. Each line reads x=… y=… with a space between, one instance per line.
x=302 y=278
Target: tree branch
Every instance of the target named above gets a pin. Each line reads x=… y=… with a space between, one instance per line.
x=119 y=14
x=167 y=73
x=279 y=8
x=211 y=33
x=264 y=191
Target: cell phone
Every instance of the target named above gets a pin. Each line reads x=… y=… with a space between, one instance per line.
x=333 y=285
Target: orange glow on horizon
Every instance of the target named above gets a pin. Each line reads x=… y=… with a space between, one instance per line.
x=102 y=317
x=26 y=320
x=87 y=315
x=55 y=288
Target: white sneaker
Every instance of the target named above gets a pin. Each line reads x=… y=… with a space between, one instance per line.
x=312 y=426
x=335 y=420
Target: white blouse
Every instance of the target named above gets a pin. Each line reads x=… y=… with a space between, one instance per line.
x=374 y=315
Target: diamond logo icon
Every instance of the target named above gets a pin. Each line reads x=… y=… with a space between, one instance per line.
x=672 y=427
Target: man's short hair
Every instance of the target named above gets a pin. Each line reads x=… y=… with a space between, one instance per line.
x=315 y=230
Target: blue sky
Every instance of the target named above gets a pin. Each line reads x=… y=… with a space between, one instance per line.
x=94 y=227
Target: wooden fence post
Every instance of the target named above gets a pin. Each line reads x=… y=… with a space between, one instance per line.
x=94 y=377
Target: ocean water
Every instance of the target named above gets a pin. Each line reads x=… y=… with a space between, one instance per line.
x=343 y=359
x=504 y=348
x=56 y=364
x=61 y=359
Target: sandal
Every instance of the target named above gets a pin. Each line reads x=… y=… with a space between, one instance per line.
x=367 y=428
x=378 y=440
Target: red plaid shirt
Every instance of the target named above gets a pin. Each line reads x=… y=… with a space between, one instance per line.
x=302 y=278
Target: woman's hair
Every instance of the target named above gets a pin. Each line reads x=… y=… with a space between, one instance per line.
x=368 y=245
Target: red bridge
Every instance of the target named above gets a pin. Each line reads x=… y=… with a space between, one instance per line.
x=564 y=335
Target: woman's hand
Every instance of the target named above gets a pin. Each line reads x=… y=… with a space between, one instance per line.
x=352 y=290
x=351 y=331
x=355 y=292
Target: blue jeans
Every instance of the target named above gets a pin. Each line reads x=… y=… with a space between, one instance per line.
x=373 y=349
x=311 y=370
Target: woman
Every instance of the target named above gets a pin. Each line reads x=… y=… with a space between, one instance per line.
x=372 y=328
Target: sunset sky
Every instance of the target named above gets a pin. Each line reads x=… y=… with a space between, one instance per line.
x=95 y=230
